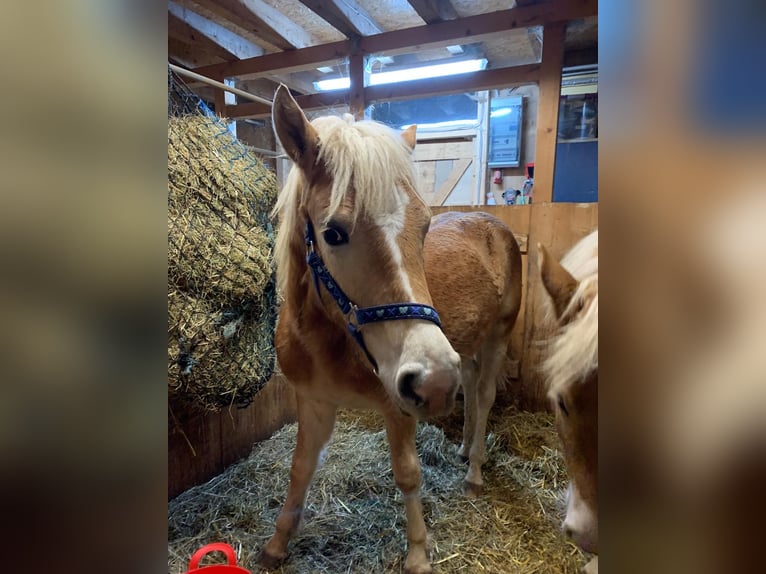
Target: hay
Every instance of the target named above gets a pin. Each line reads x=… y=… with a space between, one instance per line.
x=355 y=516
x=221 y=293
x=209 y=344
x=217 y=246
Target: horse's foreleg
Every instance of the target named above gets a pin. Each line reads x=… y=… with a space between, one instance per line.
x=490 y=360
x=315 y=424
x=404 y=462
x=468 y=376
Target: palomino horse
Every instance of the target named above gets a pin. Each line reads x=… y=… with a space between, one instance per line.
x=572 y=374
x=354 y=256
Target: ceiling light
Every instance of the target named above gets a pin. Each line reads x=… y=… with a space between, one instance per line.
x=408 y=74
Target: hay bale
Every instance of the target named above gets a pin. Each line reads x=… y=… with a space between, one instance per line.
x=221 y=289
x=355 y=516
x=218 y=356
x=219 y=198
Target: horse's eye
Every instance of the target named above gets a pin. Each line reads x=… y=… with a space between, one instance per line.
x=563 y=406
x=335 y=236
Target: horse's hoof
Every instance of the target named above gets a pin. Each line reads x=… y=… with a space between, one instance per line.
x=418 y=569
x=471 y=490
x=461 y=459
x=270 y=561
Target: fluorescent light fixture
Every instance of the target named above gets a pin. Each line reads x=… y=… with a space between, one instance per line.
x=325 y=69
x=455 y=49
x=332 y=84
x=408 y=74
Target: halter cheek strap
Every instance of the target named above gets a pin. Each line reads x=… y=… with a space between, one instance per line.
x=356 y=317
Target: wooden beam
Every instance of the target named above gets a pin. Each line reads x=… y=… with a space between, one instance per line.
x=477 y=27
x=263 y=20
x=470 y=82
x=548 y=111
x=282 y=62
x=228 y=20
x=307 y=102
x=189 y=55
x=181 y=31
x=226 y=39
x=434 y=10
x=472 y=28
x=356 y=99
x=346 y=16
x=475 y=81
x=220 y=103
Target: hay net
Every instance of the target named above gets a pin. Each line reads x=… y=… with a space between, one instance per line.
x=221 y=287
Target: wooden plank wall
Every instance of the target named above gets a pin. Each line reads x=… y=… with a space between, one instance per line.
x=558 y=226
x=202 y=445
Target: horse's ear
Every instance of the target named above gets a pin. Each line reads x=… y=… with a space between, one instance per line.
x=409 y=136
x=297 y=136
x=558 y=282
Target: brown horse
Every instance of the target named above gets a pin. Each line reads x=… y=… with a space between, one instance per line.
x=572 y=373
x=359 y=271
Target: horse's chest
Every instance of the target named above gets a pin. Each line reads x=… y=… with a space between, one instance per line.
x=322 y=366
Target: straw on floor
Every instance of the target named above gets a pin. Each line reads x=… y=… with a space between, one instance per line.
x=355 y=517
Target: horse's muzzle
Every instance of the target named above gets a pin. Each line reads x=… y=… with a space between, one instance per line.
x=426 y=392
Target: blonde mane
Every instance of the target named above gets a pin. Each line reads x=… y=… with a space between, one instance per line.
x=365 y=158
x=573 y=352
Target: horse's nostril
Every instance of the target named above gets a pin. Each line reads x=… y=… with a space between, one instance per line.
x=408 y=382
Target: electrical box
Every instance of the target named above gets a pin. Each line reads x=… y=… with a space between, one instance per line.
x=505 y=125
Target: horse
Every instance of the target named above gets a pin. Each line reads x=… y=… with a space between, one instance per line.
x=383 y=307
x=571 y=371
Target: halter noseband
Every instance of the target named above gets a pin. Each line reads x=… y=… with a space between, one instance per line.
x=356 y=317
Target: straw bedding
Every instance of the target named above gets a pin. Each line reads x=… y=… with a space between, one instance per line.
x=221 y=294
x=355 y=521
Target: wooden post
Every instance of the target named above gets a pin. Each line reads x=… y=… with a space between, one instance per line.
x=548 y=110
x=219 y=98
x=357 y=76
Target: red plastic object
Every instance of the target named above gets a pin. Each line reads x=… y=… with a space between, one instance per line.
x=229 y=568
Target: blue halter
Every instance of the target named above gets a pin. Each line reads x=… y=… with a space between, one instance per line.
x=356 y=317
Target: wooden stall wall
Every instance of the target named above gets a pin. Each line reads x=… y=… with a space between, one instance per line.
x=202 y=445
x=558 y=226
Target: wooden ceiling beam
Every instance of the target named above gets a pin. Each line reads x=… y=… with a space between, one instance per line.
x=282 y=62
x=476 y=28
x=228 y=20
x=188 y=55
x=475 y=81
x=346 y=16
x=307 y=102
x=471 y=82
x=432 y=11
x=233 y=44
x=471 y=28
x=262 y=20
x=182 y=32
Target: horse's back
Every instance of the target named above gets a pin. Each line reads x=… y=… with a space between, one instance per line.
x=473 y=268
